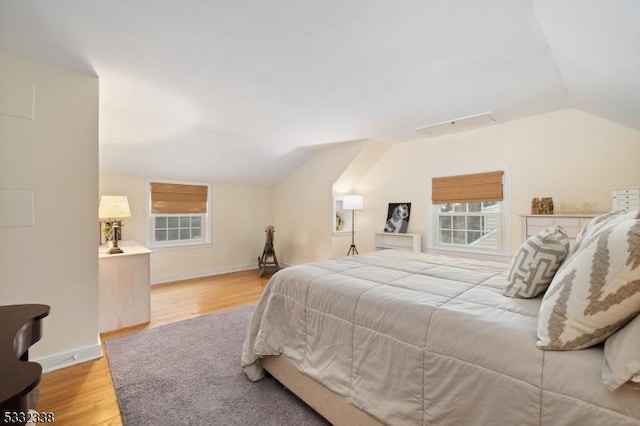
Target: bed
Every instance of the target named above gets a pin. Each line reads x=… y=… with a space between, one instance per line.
x=404 y=338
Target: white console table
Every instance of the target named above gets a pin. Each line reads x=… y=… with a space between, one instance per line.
x=390 y=240
x=124 y=296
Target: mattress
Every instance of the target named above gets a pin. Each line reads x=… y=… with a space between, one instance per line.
x=417 y=338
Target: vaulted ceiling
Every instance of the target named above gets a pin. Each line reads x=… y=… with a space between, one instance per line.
x=243 y=91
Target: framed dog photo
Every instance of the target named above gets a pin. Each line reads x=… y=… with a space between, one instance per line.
x=398 y=218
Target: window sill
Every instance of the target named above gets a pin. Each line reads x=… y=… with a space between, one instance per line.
x=173 y=247
x=498 y=255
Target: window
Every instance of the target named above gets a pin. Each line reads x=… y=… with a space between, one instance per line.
x=467 y=213
x=469 y=224
x=177 y=228
x=179 y=214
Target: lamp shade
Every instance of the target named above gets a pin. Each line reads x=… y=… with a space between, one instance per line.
x=113 y=207
x=352 y=202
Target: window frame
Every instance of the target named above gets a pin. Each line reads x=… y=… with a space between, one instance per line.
x=206 y=220
x=433 y=219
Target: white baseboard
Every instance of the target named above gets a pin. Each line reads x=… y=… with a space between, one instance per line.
x=67 y=359
x=202 y=274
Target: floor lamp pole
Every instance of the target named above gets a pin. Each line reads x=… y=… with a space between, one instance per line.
x=353 y=249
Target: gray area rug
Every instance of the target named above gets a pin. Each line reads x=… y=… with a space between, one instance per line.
x=189 y=373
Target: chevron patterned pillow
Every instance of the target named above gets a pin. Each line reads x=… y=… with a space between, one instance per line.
x=535 y=263
x=601 y=221
x=596 y=292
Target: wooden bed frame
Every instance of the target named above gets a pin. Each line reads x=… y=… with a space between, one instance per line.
x=328 y=404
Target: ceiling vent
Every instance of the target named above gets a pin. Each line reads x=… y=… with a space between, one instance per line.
x=459 y=124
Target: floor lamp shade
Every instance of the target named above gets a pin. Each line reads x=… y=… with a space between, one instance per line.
x=352 y=202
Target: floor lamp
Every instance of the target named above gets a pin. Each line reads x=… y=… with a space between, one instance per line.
x=353 y=203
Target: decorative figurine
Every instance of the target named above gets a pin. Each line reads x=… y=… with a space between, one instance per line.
x=546 y=205
x=535 y=206
x=542 y=205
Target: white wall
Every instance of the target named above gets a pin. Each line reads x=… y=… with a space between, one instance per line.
x=370 y=152
x=240 y=215
x=569 y=155
x=303 y=204
x=55 y=155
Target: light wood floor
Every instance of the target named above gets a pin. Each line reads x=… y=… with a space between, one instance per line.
x=84 y=394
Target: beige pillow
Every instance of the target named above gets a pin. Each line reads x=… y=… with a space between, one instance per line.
x=622 y=356
x=595 y=292
x=536 y=261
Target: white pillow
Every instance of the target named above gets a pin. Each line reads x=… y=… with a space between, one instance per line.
x=595 y=292
x=601 y=221
x=536 y=261
x=622 y=356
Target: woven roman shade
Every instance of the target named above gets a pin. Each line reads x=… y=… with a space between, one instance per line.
x=170 y=198
x=467 y=188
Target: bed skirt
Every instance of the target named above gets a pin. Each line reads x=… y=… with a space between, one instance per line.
x=324 y=401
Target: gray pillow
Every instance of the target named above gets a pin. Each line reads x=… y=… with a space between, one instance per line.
x=622 y=357
x=536 y=261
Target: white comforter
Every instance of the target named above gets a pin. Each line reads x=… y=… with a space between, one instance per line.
x=427 y=339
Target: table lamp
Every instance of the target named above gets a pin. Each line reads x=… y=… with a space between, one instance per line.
x=114 y=208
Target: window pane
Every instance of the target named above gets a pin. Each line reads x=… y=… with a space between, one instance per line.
x=445 y=237
x=445 y=208
x=474 y=222
x=185 y=234
x=459 y=237
x=445 y=222
x=460 y=207
x=490 y=206
x=195 y=222
x=472 y=236
x=161 y=235
x=173 y=222
x=172 y=235
x=196 y=233
x=458 y=222
x=490 y=223
x=161 y=222
x=185 y=222
x=475 y=207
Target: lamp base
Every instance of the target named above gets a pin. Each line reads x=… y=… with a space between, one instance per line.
x=352 y=250
x=114 y=250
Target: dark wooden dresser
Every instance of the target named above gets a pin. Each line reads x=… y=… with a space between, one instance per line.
x=20 y=327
